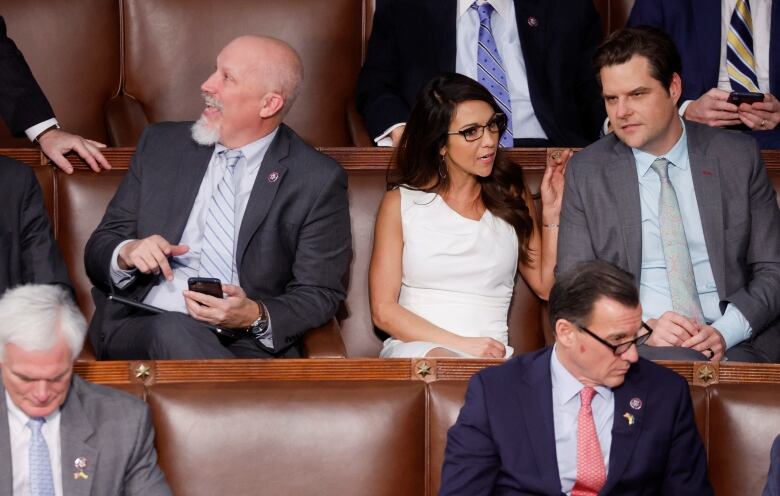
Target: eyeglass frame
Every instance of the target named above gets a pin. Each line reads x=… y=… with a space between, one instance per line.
x=639 y=340
x=500 y=130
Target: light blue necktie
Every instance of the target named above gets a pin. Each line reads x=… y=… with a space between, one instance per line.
x=679 y=269
x=740 y=62
x=217 y=257
x=490 y=69
x=41 y=480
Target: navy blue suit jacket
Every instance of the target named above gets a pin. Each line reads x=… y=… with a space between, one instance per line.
x=504 y=441
x=413 y=41
x=694 y=25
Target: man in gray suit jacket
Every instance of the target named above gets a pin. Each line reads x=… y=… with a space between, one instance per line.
x=59 y=434
x=237 y=196
x=717 y=203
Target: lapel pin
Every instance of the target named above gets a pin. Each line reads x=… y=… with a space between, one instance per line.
x=629 y=418
x=635 y=403
x=533 y=22
x=272 y=177
x=80 y=464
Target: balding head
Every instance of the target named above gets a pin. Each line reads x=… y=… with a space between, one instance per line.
x=256 y=80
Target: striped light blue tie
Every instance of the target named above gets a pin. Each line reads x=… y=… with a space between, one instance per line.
x=217 y=257
x=679 y=269
x=740 y=62
x=490 y=69
x=41 y=480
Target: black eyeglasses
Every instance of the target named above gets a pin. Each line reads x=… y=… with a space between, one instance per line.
x=496 y=124
x=619 y=349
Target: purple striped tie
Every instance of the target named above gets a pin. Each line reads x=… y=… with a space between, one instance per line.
x=490 y=69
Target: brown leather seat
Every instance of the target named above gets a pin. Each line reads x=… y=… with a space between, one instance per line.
x=73 y=50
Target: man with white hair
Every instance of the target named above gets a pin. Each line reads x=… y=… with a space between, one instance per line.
x=236 y=196
x=54 y=426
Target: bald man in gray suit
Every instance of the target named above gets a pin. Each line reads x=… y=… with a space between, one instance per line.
x=727 y=207
x=61 y=434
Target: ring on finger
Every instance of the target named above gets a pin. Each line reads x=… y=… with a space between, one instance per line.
x=763 y=123
x=556 y=155
x=710 y=354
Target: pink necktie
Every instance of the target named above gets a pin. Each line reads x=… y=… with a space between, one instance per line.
x=591 y=473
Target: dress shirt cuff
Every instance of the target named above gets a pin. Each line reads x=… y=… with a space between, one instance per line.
x=684 y=107
x=120 y=277
x=34 y=131
x=384 y=138
x=733 y=326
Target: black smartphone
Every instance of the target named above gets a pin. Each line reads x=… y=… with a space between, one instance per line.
x=206 y=285
x=738 y=97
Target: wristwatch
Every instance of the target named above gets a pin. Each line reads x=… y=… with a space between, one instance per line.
x=258 y=328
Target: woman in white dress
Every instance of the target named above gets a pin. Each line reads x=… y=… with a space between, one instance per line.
x=449 y=240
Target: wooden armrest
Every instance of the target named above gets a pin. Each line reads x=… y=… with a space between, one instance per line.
x=126 y=120
x=324 y=342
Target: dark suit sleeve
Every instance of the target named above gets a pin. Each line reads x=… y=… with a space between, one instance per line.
x=22 y=103
x=773 y=479
x=574 y=242
x=322 y=257
x=646 y=13
x=379 y=96
x=686 y=467
x=471 y=458
x=119 y=223
x=588 y=92
x=759 y=300
x=143 y=475
x=41 y=259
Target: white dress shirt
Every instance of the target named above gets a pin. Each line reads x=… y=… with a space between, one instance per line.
x=32 y=132
x=20 y=448
x=504 y=26
x=654 y=293
x=566 y=408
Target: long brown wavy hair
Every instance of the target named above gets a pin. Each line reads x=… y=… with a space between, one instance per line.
x=417 y=157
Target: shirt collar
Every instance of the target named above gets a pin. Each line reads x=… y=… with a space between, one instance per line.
x=565 y=385
x=22 y=417
x=677 y=156
x=500 y=6
x=254 y=151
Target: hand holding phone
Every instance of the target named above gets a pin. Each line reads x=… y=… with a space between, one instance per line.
x=749 y=97
x=206 y=285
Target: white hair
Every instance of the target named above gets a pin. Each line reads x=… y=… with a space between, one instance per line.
x=203 y=134
x=36 y=316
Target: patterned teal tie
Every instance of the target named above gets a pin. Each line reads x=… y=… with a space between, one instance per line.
x=679 y=269
x=41 y=480
x=217 y=257
x=740 y=62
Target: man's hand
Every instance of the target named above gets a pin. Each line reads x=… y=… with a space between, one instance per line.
x=235 y=311
x=150 y=255
x=395 y=134
x=56 y=143
x=671 y=329
x=708 y=341
x=482 y=347
x=712 y=109
x=761 y=116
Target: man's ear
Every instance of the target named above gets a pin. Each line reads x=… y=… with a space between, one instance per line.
x=564 y=333
x=675 y=88
x=271 y=104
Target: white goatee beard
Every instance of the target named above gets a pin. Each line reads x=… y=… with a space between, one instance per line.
x=203 y=134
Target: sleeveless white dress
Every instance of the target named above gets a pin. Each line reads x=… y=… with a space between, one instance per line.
x=458 y=273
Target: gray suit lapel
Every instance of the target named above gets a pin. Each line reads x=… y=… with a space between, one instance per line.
x=6 y=470
x=622 y=179
x=269 y=178
x=75 y=431
x=705 y=171
x=189 y=175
